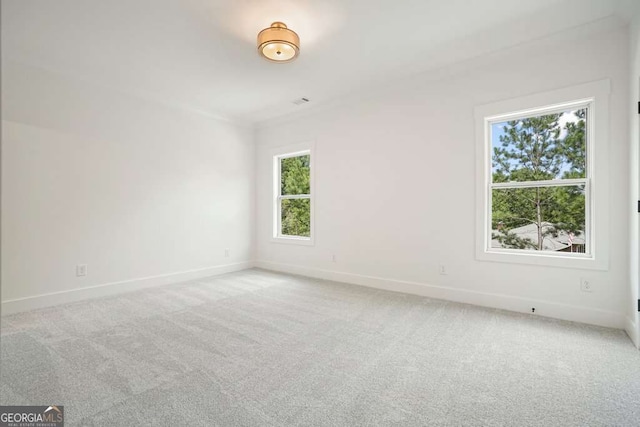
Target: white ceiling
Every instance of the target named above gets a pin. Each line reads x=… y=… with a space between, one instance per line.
x=201 y=54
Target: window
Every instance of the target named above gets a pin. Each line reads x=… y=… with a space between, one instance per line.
x=293 y=197
x=537 y=189
x=539 y=183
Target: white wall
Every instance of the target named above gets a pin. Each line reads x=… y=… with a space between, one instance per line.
x=633 y=324
x=395 y=183
x=132 y=188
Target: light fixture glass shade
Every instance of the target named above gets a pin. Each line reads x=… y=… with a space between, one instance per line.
x=278 y=43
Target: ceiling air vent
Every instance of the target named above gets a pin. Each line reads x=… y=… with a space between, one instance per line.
x=301 y=101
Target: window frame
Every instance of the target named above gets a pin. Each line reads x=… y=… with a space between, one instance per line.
x=553 y=109
x=594 y=96
x=278 y=155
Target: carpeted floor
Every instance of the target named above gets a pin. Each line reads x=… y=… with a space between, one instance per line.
x=258 y=349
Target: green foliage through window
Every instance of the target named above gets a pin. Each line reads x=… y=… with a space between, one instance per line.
x=295 y=218
x=294 y=175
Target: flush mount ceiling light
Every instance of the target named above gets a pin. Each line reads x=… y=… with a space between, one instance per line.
x=278 y=43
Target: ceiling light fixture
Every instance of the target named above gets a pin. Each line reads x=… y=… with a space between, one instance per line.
x=278 y=43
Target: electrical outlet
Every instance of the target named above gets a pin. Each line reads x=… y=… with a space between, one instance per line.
x=333 y=258
x=227 y=253
x=81 y=270
x=442 y=269
x=586 y=285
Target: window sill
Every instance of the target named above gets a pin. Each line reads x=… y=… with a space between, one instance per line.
x=302 y=241
x=584 y=262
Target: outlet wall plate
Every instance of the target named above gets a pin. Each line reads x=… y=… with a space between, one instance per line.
x=81 y=270
x=586 y=285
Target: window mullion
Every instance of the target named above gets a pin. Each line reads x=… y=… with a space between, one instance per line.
x=533 y=184
x=294 y=196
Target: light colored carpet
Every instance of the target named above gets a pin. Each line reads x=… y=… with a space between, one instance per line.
x=258 y=349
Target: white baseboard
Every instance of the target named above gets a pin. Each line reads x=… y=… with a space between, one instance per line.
x=632 y=330
x=506 y=302
x=55 y=298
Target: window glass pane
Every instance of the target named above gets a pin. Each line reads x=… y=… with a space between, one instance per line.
x=294 y=175
x=551 y=146
x=542 y=218
x=296 y=217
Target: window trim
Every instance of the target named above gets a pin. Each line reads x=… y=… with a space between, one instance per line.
x=595 y=96
x=277 y=156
